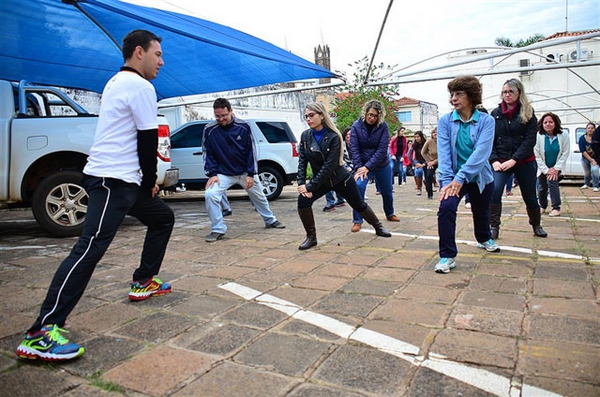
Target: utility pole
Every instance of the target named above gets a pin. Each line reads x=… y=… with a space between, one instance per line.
x=566 y=15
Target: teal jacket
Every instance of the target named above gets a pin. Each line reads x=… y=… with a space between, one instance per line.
x=477 y=167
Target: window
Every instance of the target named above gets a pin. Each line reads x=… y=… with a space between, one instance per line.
x=191 y=136
x=276 y=132
x=404 y=116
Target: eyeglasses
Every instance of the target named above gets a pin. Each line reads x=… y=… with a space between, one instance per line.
x=373 y=115
x=221 y=116
x=309 y=116
x=508 y=92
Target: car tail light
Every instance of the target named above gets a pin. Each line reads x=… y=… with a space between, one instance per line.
x=164 y=142
x=294 y=149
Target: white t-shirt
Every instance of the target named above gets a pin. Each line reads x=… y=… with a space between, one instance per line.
x=128 y=104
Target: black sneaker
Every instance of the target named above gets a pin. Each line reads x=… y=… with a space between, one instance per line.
x=49 y=345
x=227 y=212
x=340 y=204
x=214 y=236
x=276 y=225
x=329 y=208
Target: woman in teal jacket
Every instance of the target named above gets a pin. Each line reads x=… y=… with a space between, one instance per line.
x=464 y=143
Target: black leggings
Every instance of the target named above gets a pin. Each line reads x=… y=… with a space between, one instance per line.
x=347 y=189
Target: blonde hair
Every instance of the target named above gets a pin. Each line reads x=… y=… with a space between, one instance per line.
x=320 y=109
x=526 y=109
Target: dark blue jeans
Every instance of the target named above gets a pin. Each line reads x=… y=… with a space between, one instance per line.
x=526 y=175
x=383 y=178
x=429 y=178
x=480 y=208
x=109 y=201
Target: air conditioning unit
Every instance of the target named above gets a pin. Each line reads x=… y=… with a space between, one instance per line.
x=555 y=57
x=583 y=55
x=525 y=63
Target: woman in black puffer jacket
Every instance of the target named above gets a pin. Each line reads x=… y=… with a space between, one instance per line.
x=321 y=147
x=512 y=153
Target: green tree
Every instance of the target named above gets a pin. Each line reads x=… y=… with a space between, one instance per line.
x=348 y=109
x=506 y=42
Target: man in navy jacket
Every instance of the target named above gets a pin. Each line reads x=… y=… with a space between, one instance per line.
x=229 y=159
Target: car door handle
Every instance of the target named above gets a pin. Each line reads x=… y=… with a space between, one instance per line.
x=197 y=153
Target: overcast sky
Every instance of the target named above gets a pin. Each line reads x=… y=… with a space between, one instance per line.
x=415 y=29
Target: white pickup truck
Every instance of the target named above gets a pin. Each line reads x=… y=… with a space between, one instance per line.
x=45 y=139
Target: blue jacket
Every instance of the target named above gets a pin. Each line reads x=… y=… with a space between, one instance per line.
x=229 y=150
x=477 y=166
x=371 y=151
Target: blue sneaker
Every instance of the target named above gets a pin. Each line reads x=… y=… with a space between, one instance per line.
x=49 y=345
x=489 y=246
x=444 y=265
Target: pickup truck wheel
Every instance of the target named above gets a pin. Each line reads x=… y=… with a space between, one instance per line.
x=271 y=182
x=60 y=204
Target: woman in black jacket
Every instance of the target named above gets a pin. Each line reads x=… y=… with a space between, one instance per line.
x=512 y=153
x=321 y=147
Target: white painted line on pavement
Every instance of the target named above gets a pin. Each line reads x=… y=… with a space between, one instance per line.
x=520 y=215
x=479 y=378
x=25 y=247
x=549 y=254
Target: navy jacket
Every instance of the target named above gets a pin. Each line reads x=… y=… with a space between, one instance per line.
x=229 y=150
x=369 y=150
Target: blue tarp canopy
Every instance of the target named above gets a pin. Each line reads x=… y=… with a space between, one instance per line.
x=76 y=44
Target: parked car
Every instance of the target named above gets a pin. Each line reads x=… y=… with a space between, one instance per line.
x=573 y=169
x=46 y=137
x=275 y=146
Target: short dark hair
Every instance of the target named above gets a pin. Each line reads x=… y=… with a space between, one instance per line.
x=221 y=103
x=470 y=85
x=138 y=37
x=557 y=125
x=345 y=132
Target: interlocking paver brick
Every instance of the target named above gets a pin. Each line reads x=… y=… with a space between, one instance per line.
x=528 y=316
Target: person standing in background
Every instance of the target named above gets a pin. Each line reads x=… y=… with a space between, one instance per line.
x=418 y=162
x=514 y=139
x=551 y=153
x=430 y=155
x=369 y=150
x=329 y=197
x=591 y=169
x=398 y=149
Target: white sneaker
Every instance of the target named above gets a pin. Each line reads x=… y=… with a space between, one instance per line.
x=489 y=246
x=554 y=213
x=595 y=189
x=444 y=265
x=584 y=186
x=468 y=205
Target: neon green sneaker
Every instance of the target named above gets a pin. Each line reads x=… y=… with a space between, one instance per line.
x=49 y=345
x=141 y=292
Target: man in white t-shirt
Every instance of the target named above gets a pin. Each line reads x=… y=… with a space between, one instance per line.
x=120 y=179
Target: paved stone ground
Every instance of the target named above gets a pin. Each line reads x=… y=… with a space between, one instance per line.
x=525 y=321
